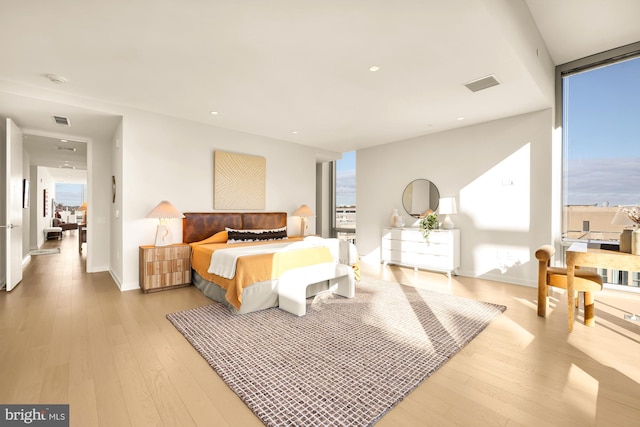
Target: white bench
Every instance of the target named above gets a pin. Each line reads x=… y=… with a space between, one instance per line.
x=48 y=230
x=292 y=284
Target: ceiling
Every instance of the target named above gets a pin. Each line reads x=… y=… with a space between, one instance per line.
x=291 y=70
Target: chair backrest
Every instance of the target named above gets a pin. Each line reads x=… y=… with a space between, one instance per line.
x=544 y=253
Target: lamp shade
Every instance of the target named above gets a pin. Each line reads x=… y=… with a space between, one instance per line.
x=164 y=210
x=303 y=210
x=447 y=206
x=83 y=207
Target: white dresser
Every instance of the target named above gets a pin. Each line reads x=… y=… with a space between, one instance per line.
x=407 y=247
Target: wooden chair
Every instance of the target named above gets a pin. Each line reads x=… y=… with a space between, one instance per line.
x=585 y=281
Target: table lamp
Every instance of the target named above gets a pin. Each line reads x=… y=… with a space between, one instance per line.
x=303 y=212
x=164 y=211
x=447 y=206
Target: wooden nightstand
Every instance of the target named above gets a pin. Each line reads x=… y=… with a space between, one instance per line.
x=165 y=267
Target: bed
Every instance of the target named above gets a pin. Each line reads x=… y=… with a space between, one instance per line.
x=255 y=251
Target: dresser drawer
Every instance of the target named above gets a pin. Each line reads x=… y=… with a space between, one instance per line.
x=152 y=253
x=164 y=267
x=417 y=247
x=415 y=235
x=408 y=247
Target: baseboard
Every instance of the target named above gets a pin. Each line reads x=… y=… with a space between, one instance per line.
x=115 y=279
x=131 y=286
x=98 y=269
x=500 y=278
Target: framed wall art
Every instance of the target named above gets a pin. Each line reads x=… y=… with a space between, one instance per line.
x=45 y=203
x=25 y=193
x=239 y=181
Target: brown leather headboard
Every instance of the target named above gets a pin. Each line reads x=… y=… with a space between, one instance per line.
x=200 y=225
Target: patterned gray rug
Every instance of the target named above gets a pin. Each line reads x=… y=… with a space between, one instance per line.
x=347 y=362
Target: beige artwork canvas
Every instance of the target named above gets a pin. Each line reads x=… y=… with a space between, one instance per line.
x=239 y=181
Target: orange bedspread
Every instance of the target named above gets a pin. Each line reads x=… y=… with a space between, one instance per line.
x=254 y=268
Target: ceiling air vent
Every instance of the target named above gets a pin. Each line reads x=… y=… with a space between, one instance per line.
x=483 y=83
x=64 y=121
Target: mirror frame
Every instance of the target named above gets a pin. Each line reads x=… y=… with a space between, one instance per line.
x=430 y=200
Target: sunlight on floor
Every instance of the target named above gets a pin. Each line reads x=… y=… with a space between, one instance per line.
x=581 y=392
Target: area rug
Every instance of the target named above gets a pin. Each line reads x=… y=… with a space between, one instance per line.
x=44 y=251
x=347 y=362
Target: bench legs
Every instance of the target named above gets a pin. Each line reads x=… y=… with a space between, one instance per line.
x=292 y=285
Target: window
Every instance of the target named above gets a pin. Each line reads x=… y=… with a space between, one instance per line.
x=601 y=148
x=70 y=196
x=345 y=197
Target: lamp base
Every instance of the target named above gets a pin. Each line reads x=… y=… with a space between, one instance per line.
x=163 y=235
x=447 y=224
x=625 y=241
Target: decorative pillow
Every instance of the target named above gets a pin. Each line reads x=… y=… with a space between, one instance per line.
x=238 y=236
x=219 y=237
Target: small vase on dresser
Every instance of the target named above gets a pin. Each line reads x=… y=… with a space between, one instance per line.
x=396 y=219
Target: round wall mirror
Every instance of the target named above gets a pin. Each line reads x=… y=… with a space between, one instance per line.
x=420 y=196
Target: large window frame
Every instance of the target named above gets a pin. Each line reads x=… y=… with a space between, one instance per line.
x=337 y=228
x=609 y=238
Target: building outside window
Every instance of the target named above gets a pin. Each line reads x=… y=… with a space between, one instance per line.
x=345 y=197
x=69 y=197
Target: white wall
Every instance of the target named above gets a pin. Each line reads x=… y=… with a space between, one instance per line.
x=166 y=158
x=99 y=205
x=115 y=221
x=500 y=174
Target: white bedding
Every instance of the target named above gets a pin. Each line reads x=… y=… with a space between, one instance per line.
x=223 y=261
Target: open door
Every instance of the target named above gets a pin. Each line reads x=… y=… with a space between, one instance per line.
x=11 y=208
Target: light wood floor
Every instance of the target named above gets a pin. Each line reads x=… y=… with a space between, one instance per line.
x=71 y=337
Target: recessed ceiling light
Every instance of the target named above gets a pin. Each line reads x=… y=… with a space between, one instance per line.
x=295 y=132
x=214 y=113
x=374 y=68
x=460 y=118
x=63 y=140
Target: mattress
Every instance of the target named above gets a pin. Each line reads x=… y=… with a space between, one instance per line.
x=255 y=275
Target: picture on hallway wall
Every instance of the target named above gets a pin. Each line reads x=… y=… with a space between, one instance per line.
x=25 y=193
x=45 y=200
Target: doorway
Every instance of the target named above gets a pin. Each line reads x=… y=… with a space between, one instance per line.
x=53 y=160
